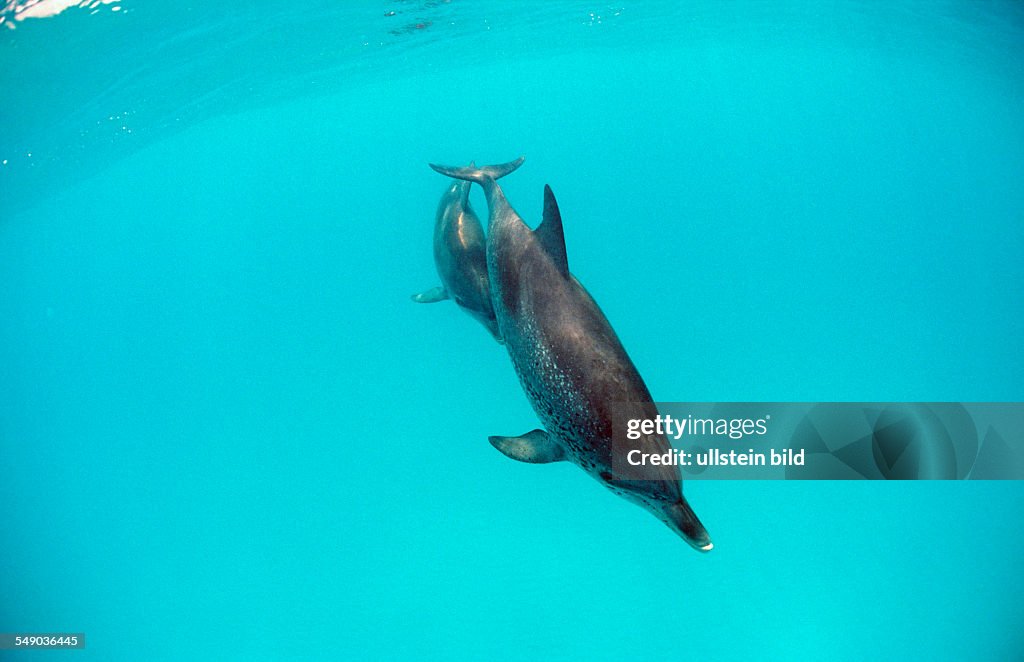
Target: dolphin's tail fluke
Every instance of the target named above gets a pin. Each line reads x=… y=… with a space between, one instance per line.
x=485 y=176
x=479 y=175
x=681 y=519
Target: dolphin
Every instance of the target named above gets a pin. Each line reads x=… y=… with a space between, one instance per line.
x=570 y=363
x=459 y=252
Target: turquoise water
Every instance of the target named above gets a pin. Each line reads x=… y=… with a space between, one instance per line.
x=226 y=432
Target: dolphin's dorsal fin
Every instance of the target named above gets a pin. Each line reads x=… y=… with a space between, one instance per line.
x=550 y=234
x=536 y=447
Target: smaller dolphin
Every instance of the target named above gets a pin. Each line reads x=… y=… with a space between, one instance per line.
x=460 y=252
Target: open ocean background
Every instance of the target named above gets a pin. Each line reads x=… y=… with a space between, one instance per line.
x=227 y=433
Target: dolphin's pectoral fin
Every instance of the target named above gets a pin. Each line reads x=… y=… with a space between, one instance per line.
x=433 y=295
x=492 y=326
x=550 y=234
x=537 y=447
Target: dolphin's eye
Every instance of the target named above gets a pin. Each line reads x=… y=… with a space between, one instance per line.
x=606 y=476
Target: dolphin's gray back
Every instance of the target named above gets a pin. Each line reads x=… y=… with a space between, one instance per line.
x=460 y=255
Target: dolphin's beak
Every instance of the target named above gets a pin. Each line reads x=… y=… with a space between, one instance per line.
x=681 y=519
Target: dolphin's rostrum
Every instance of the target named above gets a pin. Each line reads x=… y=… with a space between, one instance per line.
x=569 y=360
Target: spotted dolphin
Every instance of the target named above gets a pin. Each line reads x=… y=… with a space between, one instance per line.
x=570 y=362
x=460 y=255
